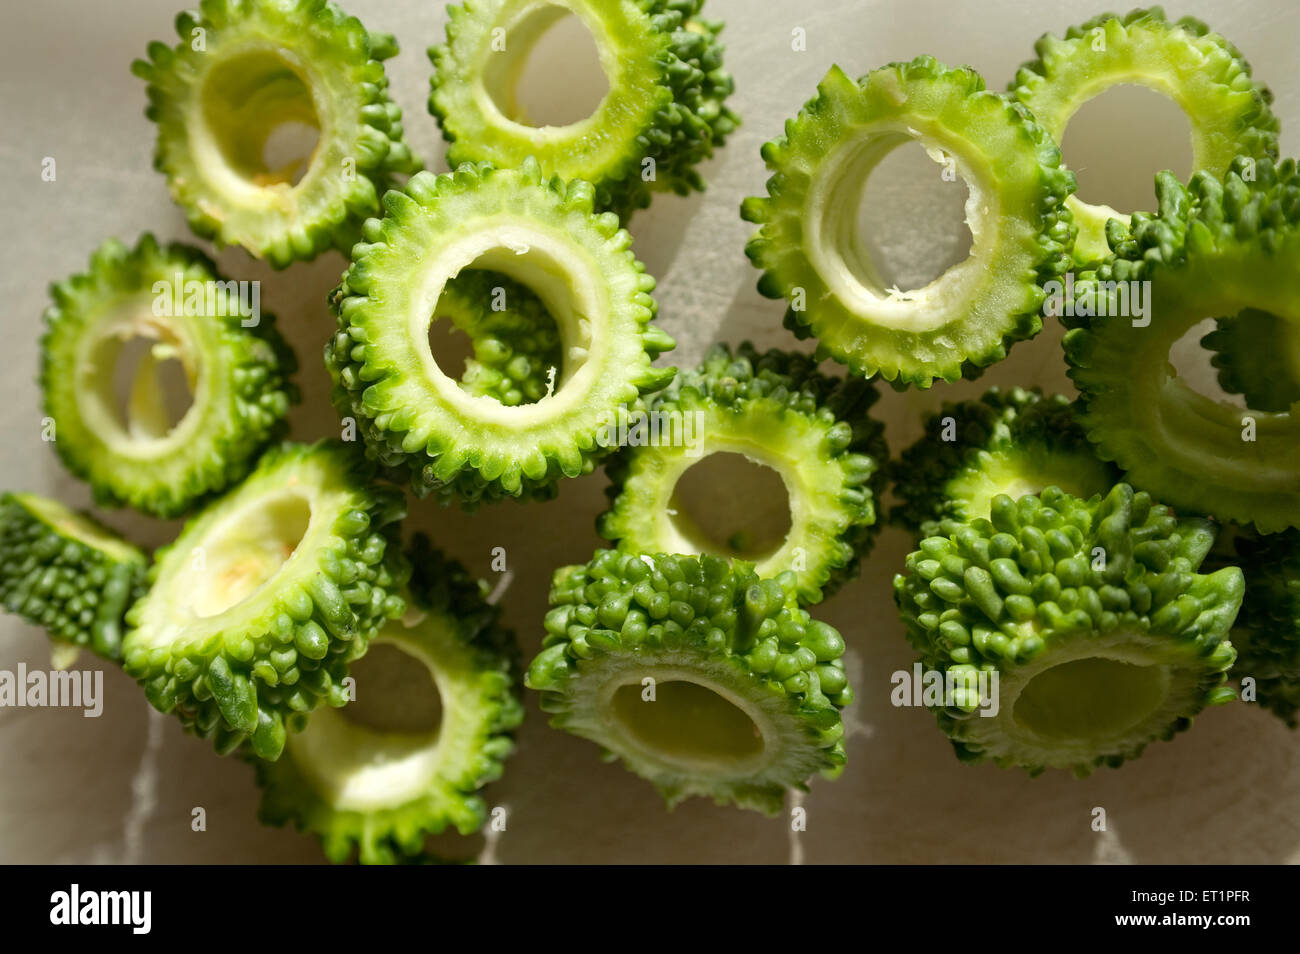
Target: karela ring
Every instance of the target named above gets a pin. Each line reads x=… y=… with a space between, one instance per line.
x=776 y=409
x=1014 y=442
x=703 y=679
x=1198 y=69
x=1218 y=247
x=517 y=350
x=242 y=69
x=1258 y=356
x=237 y=366
x=1092 y=615
x=256 y=609
x=381 y=794
x=415 y=419
x=810 y=255
x=62 y=570
x=664 y=113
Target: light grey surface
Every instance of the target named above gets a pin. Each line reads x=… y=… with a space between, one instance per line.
x=75 y=789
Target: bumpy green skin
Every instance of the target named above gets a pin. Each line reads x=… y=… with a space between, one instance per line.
x=1198 y=69
x=67 y=581
x=240 y=378
x=515 y=348
x=1215 y=248
x=1024 y=591
x=463 y=642
x=779 y=410
x=414 y=426
x=1267 y=632
x=359 y=153
x=1258 y=357
x=667 y=99
x=1005 y=442
x=252 y=670
x=969 y=317
x=625 y=616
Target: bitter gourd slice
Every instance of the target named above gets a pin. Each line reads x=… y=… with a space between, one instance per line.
x=1185 y=60
x=256 y=609
x=517 y=350
x=65 y=571
x=234 y=359
x=379 y=794
x=778 y=410
x=1090 y=614
x=1012 y=442
x=543 y=233
x=665 y=111
x=701 y=677
x=810 y=254
x=1258 y=356
x=1217 y=247
x=245 y=68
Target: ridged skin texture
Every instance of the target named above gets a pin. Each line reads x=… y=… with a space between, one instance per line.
x=1052 y=579
x=447 y=448
x=1215 y=247
x=667 y=104
x=58 y=579
x=782 y=395
x=1184 y=59
x=357 y=158
x=624 y=617
x=1257 y=356
x=1019 y=426
x=241 y=375
x=461 y=638
x=1030 y=242
x=245 y=673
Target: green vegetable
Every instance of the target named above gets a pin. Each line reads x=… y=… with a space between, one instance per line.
x=378 y=793
x=516 y=343
x=664 y=113
x=256 y=609
x=1258 y=356
x=62 y=570
x=1012 y=442
x=1091 y=614
x=701 y=677
x=238 y=375
x=1198 y=69
x=1216 y=248
x=540 y=232
x=243 y=70
x=777 y=410
x=1267 y=633
x=810 y=255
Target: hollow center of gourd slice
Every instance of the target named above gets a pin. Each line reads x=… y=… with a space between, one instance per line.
x=546 y=69
x=730 y=505
x=244 y=552
x=1265 y=360
x=260 y=112
x=1118 y=140
x=395 y=693
x=1090 y=699
x=686 y=723
x=142 y=375
x=498 y=349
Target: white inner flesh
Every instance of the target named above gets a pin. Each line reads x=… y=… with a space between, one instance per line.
x=570 y=288
x=360 y=769
x=146 y=433
x=839 y=257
